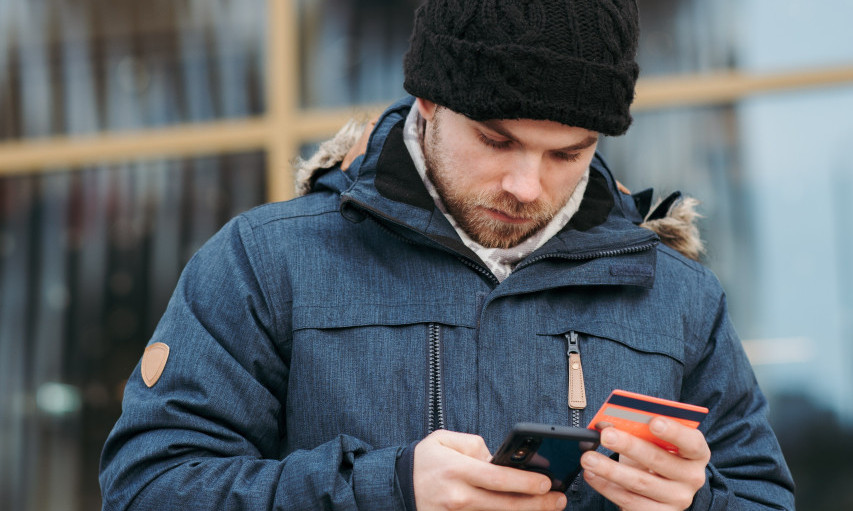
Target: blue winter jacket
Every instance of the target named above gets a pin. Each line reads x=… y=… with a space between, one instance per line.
x=311 y=341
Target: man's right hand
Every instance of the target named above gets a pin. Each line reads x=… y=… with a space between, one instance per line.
x=453 y=471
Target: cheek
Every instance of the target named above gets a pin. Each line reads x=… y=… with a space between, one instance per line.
x=473 y=168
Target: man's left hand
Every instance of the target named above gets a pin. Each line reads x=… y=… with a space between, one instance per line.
x=647 y=476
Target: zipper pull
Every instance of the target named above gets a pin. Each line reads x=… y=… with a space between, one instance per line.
x=577 y=390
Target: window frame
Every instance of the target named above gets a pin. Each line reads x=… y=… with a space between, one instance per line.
x=285 y=127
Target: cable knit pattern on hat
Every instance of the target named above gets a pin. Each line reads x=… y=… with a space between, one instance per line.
x=569 y=61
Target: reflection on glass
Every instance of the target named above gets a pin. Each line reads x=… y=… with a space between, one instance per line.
x=88 y=260
x=351 y=51
x=83 y=67
x=687 y=36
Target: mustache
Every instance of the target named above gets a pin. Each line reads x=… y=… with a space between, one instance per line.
x=506 y=203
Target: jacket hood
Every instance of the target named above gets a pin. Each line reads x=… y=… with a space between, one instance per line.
x=673 y=219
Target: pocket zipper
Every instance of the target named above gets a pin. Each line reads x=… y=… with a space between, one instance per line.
x=577 y=390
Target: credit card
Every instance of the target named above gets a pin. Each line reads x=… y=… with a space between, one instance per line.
x=631 y=412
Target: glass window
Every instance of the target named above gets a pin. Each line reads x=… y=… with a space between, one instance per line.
x=351 y=52
x=774 y=179
x=686 y=36
x=79 y=67
x=88 y=261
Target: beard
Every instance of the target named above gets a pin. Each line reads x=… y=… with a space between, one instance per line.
x=469 y=209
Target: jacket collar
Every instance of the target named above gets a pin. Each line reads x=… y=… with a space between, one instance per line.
x=386 y=185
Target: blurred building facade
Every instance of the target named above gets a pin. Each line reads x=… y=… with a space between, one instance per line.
x=129 y=132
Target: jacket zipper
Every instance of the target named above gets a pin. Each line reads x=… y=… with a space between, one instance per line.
x=471 y=264
x=577 y=388
x=436 y=405
x=593 y=255
x=478 y=268
x=376 y=215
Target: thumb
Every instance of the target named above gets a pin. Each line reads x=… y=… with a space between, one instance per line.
x=470 y=445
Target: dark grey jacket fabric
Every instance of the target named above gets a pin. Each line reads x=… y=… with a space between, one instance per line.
x=311 y=341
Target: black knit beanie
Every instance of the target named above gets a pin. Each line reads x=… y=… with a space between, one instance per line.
x=570 y=61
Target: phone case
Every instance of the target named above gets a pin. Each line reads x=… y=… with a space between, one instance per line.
x=549 y=449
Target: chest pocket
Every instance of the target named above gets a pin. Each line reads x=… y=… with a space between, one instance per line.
x=364 y=369
x=615 y=356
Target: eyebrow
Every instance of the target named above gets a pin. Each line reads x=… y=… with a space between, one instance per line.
x=496 y=126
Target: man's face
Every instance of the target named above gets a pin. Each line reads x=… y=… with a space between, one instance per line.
x=503 y=180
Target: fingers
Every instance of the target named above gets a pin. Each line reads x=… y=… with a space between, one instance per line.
x=458 y=497
x=555 y=501
x=692 y=448
x=690 y=442
x=632 y=487
x=452 y=471
x=628 y=499
x=470 y=445
x=648 y=474
x=471 y=463
x=507 y=479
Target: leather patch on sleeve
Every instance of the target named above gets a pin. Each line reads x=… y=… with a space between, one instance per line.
x=153 y=362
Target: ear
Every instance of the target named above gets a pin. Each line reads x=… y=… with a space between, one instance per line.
x=426 y=108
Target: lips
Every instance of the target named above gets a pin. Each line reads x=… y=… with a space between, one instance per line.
x=503 y=217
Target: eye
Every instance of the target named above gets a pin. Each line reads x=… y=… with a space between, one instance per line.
x=495 y=144
x=568 y=157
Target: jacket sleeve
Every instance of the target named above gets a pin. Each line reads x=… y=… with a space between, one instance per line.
x=211 y=433
x=747 y=469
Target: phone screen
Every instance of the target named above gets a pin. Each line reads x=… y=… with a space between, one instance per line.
x=557 y=457
x=552 y=450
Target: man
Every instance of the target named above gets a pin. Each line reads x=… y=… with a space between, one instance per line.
x=368 y=345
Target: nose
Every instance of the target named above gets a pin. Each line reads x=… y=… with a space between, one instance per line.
x=523 y=181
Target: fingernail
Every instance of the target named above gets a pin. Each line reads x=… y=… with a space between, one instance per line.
x=545 y=487
x=609 y=437
x=561 y=503
x=659 y=425
x=590 y=460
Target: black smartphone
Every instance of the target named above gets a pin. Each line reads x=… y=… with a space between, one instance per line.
x=548 y=449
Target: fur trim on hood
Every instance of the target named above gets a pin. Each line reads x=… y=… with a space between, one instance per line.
x=677 y=228
x=330 y=153
x=673 y=220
